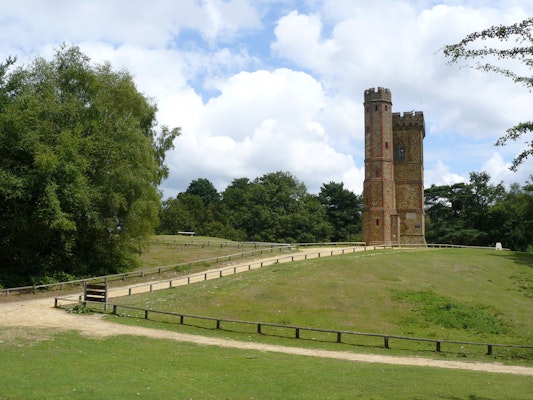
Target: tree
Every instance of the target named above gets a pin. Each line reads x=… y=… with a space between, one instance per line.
x=204 y=189
x=496 y=58
x=470 y=213
x=81 y=162
x=512 y=218
x=342 y=208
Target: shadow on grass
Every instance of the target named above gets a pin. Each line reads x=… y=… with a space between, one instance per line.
x=515 y=256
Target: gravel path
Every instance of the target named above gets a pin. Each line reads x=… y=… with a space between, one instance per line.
x=40 y=313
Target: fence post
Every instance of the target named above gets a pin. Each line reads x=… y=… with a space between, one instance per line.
x=258 y=328
x=438 y=346
x=297 y=333
x=489 y=350
x=114 y=312
x=145 y=314
x=338 y=337
x=386 y=341
x=218 y=324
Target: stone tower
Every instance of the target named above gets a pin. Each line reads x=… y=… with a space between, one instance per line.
x=393 y=191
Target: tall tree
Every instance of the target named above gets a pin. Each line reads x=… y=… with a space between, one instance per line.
x=505 y=44
x=459 y=214
x=204 y=189
x=342 y=208
x=81 y=162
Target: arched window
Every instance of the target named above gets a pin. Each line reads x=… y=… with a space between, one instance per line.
x=399 y=151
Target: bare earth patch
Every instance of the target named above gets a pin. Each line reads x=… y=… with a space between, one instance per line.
x=45 y=320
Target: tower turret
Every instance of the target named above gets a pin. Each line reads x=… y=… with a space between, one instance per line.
x=380 y=218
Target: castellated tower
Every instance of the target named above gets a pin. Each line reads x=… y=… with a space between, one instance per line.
x=380 y=218
x=393 y=191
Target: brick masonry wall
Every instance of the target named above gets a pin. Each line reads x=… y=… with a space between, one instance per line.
x=394 y=172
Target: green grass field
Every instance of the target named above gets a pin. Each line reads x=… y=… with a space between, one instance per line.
x=67 y=366
x=449 y=294
x=474 y=295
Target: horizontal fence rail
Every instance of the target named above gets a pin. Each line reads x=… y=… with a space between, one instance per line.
x=336 y=334
x=149 y=271
x=271 y=247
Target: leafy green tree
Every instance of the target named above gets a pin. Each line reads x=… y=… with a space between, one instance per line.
x=204 y=189
x=343 y=209
x=512 y=219
x=459 y=214
x=489 y=47
x=80 y=167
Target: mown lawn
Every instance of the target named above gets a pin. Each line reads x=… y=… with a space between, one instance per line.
x=68 y=366
x=453 y=294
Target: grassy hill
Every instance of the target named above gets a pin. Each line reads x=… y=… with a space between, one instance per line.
x=455 y=294
x=466 y=294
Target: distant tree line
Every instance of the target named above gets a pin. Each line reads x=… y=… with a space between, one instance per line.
x=478 y=213
x=275 y=207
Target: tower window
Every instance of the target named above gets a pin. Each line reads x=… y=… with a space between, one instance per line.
x=399 y=152
x=386 y=145
x=386 y=107
x=376 y=107
x=377 y=222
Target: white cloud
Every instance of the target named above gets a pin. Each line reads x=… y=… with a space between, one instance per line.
x=441 y=174
x=245 y=113
x=263 y=122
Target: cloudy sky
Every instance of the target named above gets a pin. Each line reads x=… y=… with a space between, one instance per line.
x=260 y=86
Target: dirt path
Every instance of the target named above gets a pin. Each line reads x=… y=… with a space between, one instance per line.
x=15 y=316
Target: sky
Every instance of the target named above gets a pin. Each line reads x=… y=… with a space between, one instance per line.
x=260 y=86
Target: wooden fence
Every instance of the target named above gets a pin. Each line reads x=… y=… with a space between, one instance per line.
x=272 y=247
x=269 y=248
x=337 y=335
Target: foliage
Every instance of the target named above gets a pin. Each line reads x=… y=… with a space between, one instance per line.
x=81 y=162
x=275 y=207
x=79 y=309
x=466 y=213
x=342 y=209
x=204 y=189
x=498 y=58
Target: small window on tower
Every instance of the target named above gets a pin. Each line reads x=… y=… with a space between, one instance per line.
x=376 y=107
x=386 y=145
x=386 y=107
x=399 y=152
x=377 y=222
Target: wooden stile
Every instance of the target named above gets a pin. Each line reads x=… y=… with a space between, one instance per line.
x=95 y=292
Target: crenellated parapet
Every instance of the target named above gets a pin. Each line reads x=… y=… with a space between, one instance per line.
x=378 y=94
x=412 y=119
